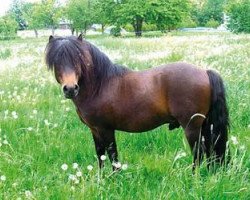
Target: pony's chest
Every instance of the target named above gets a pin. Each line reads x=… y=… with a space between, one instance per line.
x=92 y=116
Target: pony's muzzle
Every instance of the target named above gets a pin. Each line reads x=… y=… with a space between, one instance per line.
x=70 y=91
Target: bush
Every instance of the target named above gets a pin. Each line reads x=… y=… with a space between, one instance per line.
x=145 y=27
x=188 y=23
x=149 y=27
x=239 y=14
x=115 y=31
x=8 y=28
x=212 y=23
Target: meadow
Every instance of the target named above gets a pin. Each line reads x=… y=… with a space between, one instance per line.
x=47 y=153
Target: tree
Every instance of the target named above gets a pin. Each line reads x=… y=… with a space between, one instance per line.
x=33 y=16
x=167 y=14
x=8 y=27
x=239 y=15
x=80 y=15
x=16 y=12
x=103 y=12
x=209 y=10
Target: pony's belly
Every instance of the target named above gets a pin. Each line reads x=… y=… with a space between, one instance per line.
x=141 y=125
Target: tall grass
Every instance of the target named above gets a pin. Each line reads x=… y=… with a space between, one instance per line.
x=40 y=131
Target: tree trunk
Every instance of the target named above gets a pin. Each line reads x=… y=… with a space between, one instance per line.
x=103 y=28
x=72 y=31
x=36 y=33
x=137 y=24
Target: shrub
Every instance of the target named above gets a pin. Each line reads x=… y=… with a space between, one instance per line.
x=188 y=23
x=239 y=14
x=8 y=28
x=212 y=23
x=115 y=31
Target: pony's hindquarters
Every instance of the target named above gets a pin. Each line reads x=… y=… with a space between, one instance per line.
x=215 y=127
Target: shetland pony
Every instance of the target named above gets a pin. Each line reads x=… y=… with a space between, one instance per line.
x=110 y=97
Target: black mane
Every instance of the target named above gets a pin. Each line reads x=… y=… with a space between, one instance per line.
x=72 y=52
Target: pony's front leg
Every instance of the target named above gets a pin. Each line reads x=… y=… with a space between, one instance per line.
x=105 y=141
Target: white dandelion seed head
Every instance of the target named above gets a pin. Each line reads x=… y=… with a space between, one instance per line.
x=67 y=109
x=234 y=140
x=34 y=111
x=76 y=181
x=5 y=142
x=103 y=157
x=13 y=113
x=28 y=193
x=3 y=178
x=90 y=167
x=117 y=164
x=124 y=166
x=79 y=174
x=64 y=167
x=46 y=122
x=29 y=128
x=75 y=165
x=72 y=177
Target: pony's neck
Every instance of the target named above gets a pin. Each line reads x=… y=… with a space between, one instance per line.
x=101 y=72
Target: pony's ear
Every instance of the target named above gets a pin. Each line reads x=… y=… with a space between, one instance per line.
x=51 y=38
x=80 y=37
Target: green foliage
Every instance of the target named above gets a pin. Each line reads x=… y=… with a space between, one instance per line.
x=33 y=14
x=208 y=10
x=168 y=14
x=8 y=28
x=187 y=22
x=239 y=14
x=212 y=23
x=49 y=13
x=115 y=31
x=79 y=12
x=16 y=11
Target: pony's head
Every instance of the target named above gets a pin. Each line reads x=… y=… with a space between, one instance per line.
x=66 y=57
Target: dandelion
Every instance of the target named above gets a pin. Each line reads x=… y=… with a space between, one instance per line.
x=72 y=188
x=64 y=167
x=67 y=109
x=117 y=165
x=234 y=140
x=3 y=178
x=29 y=128
x=55 y=125
x=78 y=174
x=124 y=167
x=75 y=166
x=14 y=114
x=34 y=111
x=77 y=181
x=90 y=167
x=72 y=177
x=179 y=155
x=103 y=157
x=5 y=142
x=46 y=122
x=28 y=193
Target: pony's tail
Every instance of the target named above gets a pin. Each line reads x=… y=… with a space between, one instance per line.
x=216 y=126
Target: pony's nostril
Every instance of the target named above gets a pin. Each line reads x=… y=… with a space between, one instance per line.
x=65 y=88
x=76 y=87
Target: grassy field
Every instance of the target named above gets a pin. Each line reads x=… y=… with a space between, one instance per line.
x=40 y=131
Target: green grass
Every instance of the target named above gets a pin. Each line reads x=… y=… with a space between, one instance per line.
x=47 y=132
